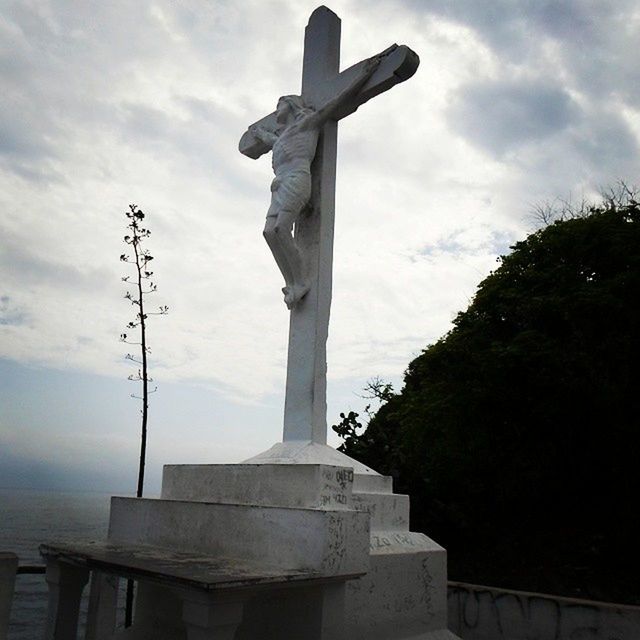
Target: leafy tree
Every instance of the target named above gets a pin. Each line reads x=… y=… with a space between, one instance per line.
x=143 y=286
x=376 y=390
x=517 y=433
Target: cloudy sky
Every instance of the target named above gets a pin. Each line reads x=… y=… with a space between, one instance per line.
x=103 y=104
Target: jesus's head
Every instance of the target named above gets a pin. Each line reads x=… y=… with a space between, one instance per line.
x=291 y=108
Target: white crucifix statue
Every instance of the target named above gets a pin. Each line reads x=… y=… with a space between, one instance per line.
x=302 y=135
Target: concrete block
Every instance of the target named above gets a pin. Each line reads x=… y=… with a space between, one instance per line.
x=309 y=486
x=368 y=483
x=404 y=593
x=388 y=511
x=332 y=543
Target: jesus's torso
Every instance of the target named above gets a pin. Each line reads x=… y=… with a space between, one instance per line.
x=294 y=150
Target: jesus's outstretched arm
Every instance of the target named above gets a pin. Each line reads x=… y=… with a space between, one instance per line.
x=317 y=118
x=267 y=137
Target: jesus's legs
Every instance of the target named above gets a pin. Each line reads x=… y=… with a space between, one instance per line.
x=290 y=195
x=278 y=233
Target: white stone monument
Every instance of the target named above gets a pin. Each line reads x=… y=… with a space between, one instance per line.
x=327 y=96
x=300 y=542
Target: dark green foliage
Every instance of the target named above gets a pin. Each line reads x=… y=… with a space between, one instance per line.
x=358 y=445
x=517 y=434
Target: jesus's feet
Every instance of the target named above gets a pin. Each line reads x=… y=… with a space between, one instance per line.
x=294 y=293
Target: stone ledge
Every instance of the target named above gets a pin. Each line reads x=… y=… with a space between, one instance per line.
x=372 y=484
x=306 y=486
x=388 y=511
x=171 y=567
x=332 y=542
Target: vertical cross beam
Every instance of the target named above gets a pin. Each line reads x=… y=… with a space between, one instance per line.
x=305 y=411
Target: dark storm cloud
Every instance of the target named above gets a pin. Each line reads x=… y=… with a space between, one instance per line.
x=516 y=28
x=596 y=42
x=501 y=116
x=582 y=69
x=608 y=142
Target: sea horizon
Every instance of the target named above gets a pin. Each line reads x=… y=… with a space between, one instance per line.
x=30 y=517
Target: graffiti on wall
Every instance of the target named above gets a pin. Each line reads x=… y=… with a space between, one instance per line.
x=485 y=613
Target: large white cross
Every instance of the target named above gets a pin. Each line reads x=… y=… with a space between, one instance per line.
x=305 y=411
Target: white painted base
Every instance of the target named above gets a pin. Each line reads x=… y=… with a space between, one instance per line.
x=305 y=486
x=330 y=543
x=307 y=452
x=293 y=507
x=404 y=593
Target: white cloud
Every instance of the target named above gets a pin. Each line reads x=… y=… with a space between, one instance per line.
x=111 y=103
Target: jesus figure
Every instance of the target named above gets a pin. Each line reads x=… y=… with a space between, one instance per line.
x=294 y=145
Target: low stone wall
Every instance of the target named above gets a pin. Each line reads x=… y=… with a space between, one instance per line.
x=486 y=613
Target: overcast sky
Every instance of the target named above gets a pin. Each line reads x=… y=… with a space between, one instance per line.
x=103 y=104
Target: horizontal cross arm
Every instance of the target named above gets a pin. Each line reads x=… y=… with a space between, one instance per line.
x=399 y=64
x=251 y=145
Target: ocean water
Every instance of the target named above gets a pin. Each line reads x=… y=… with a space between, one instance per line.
x=29 y=518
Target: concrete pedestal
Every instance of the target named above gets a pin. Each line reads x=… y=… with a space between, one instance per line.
x=258 y=552
x=404 y=593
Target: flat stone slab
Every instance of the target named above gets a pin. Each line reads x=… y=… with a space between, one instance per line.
x=171 y=567
x=306 y=486
x=328 y=541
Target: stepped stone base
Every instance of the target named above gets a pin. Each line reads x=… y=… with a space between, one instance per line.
x=326 y=542
x=307 y=452
x=297 y=542
x=404 y=593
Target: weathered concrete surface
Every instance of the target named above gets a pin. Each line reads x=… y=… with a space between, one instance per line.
x=8 y=568
x=487 y=613
x=295 y=486
x=171 y=567
x=293 y=519
x=388 y=511
x=404 y=593
x=372 y=483
x=184 y=596
x=330 y=542
x=307 y=452
x=66 y=583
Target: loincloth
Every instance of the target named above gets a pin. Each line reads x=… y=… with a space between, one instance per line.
x=290 y=192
